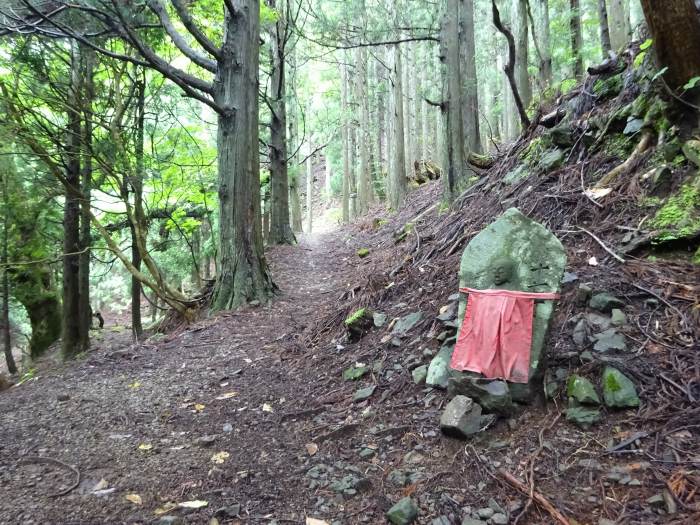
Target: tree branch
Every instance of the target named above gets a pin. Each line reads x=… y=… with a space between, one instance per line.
x=192 y=28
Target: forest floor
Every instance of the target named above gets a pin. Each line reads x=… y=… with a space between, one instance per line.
x=246 y=417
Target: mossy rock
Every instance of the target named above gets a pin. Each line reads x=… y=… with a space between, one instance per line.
x=618 y=145
x=359 y=323
x=679 y=217
x=516 y=175
x=691 y=150
x=582 y=390
x=618 y=390
x=608 y=87
x=355 y=372
x=363 y=252
x=551 y=160
x=535 y=149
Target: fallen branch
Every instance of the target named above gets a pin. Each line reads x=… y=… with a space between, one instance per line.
x=41 y=459
x=539 y=498
x=643 y=145
x=602 y=244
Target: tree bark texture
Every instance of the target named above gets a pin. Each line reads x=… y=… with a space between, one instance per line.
x=243 y=272
x=363 y=174
x=675 y=28
x=345 y=140
x=398 y=176
x=576 y=36
x=309 y=190
x=280 y=231
x=5 y=315
x=137 y=187
x=521 y=52
x=619 y=21
x=604 y=28
x=470 y=93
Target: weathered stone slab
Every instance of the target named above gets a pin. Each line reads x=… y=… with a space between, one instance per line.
x=439 y=368
x=461 y=418
x=536 y=261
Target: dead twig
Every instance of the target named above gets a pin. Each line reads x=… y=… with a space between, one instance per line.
x=42 y=459
x=602 y=244
x=539 y=498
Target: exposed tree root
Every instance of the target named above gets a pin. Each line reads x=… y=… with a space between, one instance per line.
x=644 y=144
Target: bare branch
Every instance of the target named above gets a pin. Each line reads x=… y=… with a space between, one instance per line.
x=192 y=28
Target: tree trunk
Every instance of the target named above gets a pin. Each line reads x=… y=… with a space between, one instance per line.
x=5 y=316
x=546 y=65
x=604 y=29
x=407 y=118
x=521 y=52
x=398 y=175
x=280 y=229
x=380 y=119
x=363 y=174
x=470 y=96
x=452 y=116
x=72 y=343
x=88 y=66
x=345 y=142
x=137 y=187
x=293 y=164
x=243 y=272
x=619 y=20
x=576 y=36
x=675 y=28
x=309 y=190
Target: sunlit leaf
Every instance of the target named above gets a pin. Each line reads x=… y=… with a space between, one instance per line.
x=195 y=504
x=220 y=457
x=134 y=498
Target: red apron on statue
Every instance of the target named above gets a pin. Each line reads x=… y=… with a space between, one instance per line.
x=496 y=334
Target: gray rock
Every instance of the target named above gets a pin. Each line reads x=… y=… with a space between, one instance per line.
x=205 y=441
x=398 y=478
x=350 y=485
x=367 y=453
x=582 y=416
x=580 y=334
x=562 y=135
x=461 y=418
x=379 y=319
x=670 y=502
x=406 y=323
x=441 y=520
x=496 y=507
x=582 y=390
x=62 y=398
x=517 y=174
x=550 y=160
x=499 y=519
x=605 y=302
x=618 y=317
x=228 y=427
x=364 y=393
x=230 y=511
x=447 y=313
x=597 y=322
x=493 y=396
x=485 y=513
x=633 y=126
x=583 y=293
x=355 y=372
x=471 y=521
x=618 y=390
x=439 y=368
x=403 y=513
x=419 y=374
x=611 y=339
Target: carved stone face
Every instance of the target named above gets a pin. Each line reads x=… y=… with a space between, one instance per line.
x=503 y=270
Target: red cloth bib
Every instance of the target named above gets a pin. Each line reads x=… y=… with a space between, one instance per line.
x=496 y=334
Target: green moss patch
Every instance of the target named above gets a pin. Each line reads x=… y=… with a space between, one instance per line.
x=679 y=217
x=356 y=316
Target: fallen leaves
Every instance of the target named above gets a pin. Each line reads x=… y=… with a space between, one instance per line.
x=227 y=395
x=314 y=521
x=267 y=407
x=311 y=448
x=145 y=447
x=165 y=508
x=195 y=504
x=135 y=499
x=199 y=407
x=220 y=457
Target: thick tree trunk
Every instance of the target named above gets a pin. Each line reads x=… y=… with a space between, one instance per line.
x=619 y=20
x=546 y=65
x=453 y=161
x=280 y=229
x=243 y=272
x=72 y=343
x=5 y=315
x=470 y=97
x=345 y=140
x=398 y=175
x=576 y=36
x=675 y=28
x=604 y=28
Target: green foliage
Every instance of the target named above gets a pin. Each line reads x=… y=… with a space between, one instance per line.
x=608 y=87
x=355 y=316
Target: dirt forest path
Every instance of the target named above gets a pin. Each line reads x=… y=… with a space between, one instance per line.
x=204 y=414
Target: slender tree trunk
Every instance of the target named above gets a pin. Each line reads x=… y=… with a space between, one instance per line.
x=521 y=52
x=418 y=86
x=675 y=29
x=546 y=65
x=407 y=118
x=398 y=176
x=619 y=20
x=363 y=175
x=380 y=119
x=309 y=190
x=470 y=96
x=137 y=188
x=280 y=229
x=5 y=316
x=345 y=140
x=352 y=148
x=243 y=272
x=293 y=170
x=604 y=28
x=72 y=342
x=576 y=36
